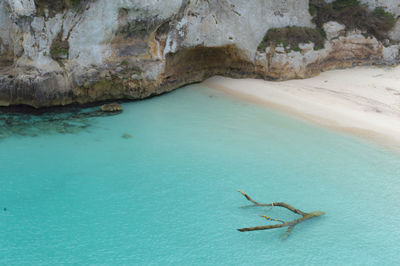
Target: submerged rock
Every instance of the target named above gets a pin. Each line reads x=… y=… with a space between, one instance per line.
x=111 y=108
x=126 y=136
x=32 y=125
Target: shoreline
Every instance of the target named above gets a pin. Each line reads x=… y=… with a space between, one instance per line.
x=362 y=101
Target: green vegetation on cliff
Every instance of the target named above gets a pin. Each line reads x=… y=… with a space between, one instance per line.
x=341 y=4
x=59 y=48
x=353 y=15
x=55 y=6
x=291 y=37
x=350 y=13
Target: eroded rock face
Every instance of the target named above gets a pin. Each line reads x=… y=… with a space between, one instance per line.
x=333 y=29
x=343 y=51
x=100 y=50
x=22 y=8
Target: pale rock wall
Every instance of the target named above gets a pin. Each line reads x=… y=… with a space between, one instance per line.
x=22 y=8
x=91 y=36
x=36 y=43
x=395 y=34
x=4 y=28
x=243 y=23
x=132 y=49
x=90 y=32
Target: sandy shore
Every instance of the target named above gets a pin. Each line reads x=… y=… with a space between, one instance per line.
x=363 y=101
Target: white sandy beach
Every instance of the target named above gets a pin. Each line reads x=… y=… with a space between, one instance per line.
x=364 y=101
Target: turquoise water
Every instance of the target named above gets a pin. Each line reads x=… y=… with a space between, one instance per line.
x=167 y=195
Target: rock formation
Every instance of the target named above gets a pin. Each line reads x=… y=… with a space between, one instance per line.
x=59 y=52
x=111 y=108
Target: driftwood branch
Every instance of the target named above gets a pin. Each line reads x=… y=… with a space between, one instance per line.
x=277 y=204
x=291 y=224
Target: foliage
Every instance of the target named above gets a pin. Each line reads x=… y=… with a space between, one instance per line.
x=341 y=4
x=350 y=13
x=291 y=37
x=55 y=6
x=380 y=12
x=353 y=15
x=58 y=51
x=59 y=48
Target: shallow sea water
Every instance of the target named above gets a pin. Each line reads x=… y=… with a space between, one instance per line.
x=167 y=194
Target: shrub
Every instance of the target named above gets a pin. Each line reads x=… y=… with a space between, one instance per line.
x=353 y=15
x=56 y=6
x=380 y=12
x=341 y=4
x=59 y=48
x=57 y=52
x=292 y=36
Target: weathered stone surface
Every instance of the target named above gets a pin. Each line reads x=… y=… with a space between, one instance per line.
x=395 y=33
x=132 y=49
x=350 y=50
x=22 y=8
x=111 y=108
x=333 y=29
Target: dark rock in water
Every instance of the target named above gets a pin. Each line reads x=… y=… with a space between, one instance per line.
x=111 y=108
x=5 y=209
x=126 y=136
x=20 y=124
x=68 y=122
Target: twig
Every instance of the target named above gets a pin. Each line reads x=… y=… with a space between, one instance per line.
x=291 y=224
x=277 y=204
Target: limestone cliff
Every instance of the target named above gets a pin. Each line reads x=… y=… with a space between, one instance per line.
x=58 y=52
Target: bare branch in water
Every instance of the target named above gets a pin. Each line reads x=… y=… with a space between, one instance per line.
x=290 y=225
